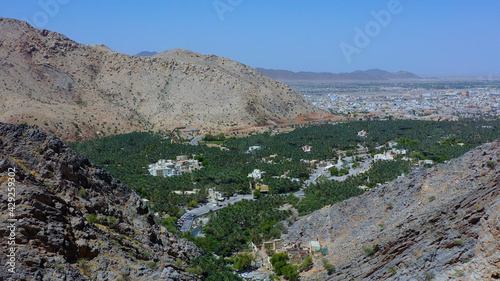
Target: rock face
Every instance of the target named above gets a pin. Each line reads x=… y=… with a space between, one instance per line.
x=74 y=221
x=77 y=91
x=441 y=224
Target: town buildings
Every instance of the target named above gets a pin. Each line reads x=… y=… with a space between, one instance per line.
x=168 y=168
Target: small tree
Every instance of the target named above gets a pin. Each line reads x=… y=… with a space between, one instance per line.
x=290 y=272
x=279 y=260
x=192 y=204
x=330 y=268
x=243 y=261
x=257 y=194
x=306 y=264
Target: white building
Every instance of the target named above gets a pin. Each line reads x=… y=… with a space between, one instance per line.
x=254 y=148
x=169 y=168
x=256 y=174
x=383 y=156
x=399 y=151
x=307 y=148
x=362 y=134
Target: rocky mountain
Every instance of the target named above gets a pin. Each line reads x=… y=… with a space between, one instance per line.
x=78 y=91
x=358 y=75
x=146 y=54
x=73 y=221
x=441 y=223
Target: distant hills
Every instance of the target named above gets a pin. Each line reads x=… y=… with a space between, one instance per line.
x=146 y=54
x=358 y=75
x=77 y=91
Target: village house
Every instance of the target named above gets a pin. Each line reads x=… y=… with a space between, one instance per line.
x=316 y=250
x=362 y=134
x=425 y=162
x=214 y=196
x=256 y=174
x=307 y=148
x=275 y=246
x=262 y=188
x=185 y=192
x=399 y=151
x=297 y=254
x=169 y=168
x=253 y=148
x=386 y=156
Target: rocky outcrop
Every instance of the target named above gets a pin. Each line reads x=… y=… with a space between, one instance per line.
x=73 y=221
x=441 y=224
x=77 y=91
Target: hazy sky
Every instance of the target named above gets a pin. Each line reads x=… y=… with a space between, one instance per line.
x=445 y=37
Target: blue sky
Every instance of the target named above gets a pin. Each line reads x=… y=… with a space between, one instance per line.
x=443 y=38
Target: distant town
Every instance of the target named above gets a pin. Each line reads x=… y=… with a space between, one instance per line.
x=442 y=100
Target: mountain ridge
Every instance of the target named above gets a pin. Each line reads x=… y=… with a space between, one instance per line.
x=358 y=75
x=439 y=222
x=146 y=54
x=78 y=91
x=73 y=221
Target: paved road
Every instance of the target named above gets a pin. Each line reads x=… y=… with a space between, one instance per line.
x=189 y=216
x=194 y=141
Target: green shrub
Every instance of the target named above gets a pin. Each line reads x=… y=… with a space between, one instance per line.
x=429 y=275
x=152 y=265
x=111 y=220
x=369 y=251
x=92 y=218
x=243 y=261
x=330 y=268
x=306 y=264
x=392 y=270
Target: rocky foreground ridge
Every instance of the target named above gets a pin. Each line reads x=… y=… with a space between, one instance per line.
x=74 y=221
x=440 y=223
x=78 y=91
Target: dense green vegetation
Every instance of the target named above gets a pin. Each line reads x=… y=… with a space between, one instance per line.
x=324 y=138
x=128 y=156
x=213 y=269
x=216 y=138
x=330 y=192
x=281 y=266
x=232 y=228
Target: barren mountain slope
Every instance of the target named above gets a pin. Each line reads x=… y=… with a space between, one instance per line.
x=74 y=221
x=80 y=91
x=441 y=224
